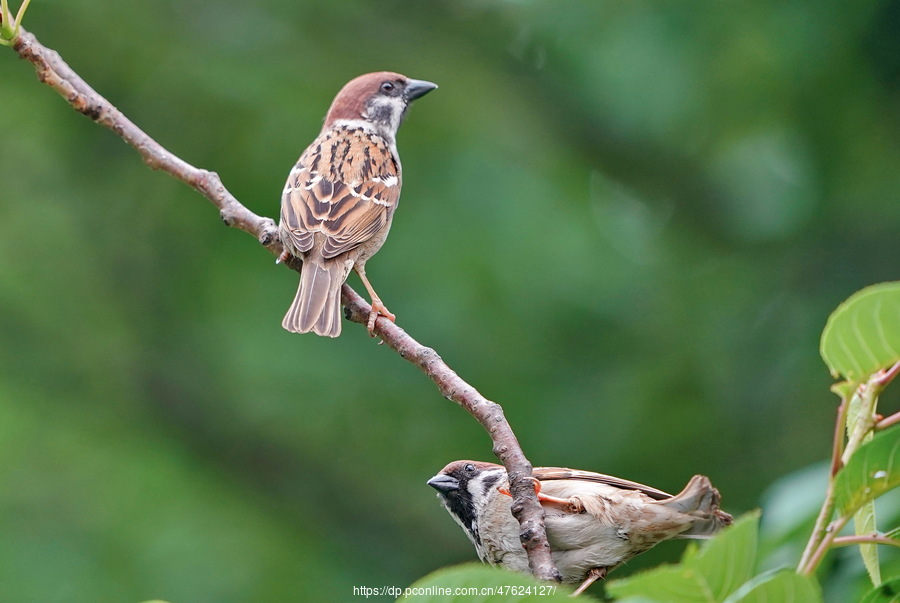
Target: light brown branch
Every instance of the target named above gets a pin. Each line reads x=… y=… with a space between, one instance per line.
x=54 y=72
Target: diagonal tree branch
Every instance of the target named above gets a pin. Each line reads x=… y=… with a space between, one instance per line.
x=54 y=72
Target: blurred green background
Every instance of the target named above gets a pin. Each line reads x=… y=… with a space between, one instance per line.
x=627 y=222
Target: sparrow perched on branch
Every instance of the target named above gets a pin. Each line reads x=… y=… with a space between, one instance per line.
x=594 y=522
x=339 y=199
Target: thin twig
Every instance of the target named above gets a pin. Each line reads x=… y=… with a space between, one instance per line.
x=865 y=539
x=819 y=532
x=825 y=513
x=831 y=533
x=887 y=375
x=827 y=510
x=54 y=72
x=863 y=421
x=888 y=422
x=884 y=379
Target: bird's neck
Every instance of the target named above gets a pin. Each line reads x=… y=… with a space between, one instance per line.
x=387 y=133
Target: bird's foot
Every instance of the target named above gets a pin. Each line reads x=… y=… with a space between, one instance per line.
x=378 y=309
x=573 y=505
x=598 y=573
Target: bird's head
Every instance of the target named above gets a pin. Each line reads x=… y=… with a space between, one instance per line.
x=378 y=100
x=465 y=488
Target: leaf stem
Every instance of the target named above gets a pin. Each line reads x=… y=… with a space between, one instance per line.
x=9 y=27
x=870 y=539
x=5 y=20
x=888 y=422
x=21 y=14
x=888 y=375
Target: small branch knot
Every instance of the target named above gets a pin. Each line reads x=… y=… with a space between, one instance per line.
x=269 y=233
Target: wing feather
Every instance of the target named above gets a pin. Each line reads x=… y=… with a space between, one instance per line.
x=559 y=473
x=348 y=204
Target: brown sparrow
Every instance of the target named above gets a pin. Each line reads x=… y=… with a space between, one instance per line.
x=594 y=522
x=339 y=199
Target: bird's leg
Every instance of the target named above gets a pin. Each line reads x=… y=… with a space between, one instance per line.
x=593 y=575
x=285 y=256
x=572 y=503
x=377 y=306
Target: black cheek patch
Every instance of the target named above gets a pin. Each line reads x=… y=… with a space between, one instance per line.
x=459 y=502
x=381 y=113
x=489 y=482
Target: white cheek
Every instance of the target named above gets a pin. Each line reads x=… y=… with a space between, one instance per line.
x=475 y=488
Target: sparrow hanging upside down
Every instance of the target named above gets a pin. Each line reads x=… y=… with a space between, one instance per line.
x=339 y=199
x=594 y=522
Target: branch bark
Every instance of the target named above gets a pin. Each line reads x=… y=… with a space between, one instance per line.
x=54 y=72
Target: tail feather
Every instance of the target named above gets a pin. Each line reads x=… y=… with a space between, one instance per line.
x=700 y=500
x=317 y=304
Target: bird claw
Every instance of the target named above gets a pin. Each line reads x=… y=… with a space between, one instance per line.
x=573 y=505
x=378 y=309
x=597 y=573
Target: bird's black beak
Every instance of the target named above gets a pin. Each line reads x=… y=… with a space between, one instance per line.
x=444 y=483
x=417 y=88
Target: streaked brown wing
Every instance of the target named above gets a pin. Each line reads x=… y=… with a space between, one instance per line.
x=301 y=236
x=326 y=193
x=358 y=214
x=558 y=473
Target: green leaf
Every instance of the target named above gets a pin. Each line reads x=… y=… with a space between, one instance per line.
x=707 y=576
x=781 y=585
x=863 y=334
x=889 y=592
x=864 y=524
x=476 y=583
x=873 y=470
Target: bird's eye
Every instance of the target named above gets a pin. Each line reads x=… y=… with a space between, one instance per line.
x=387 y=87
x=469 y=468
